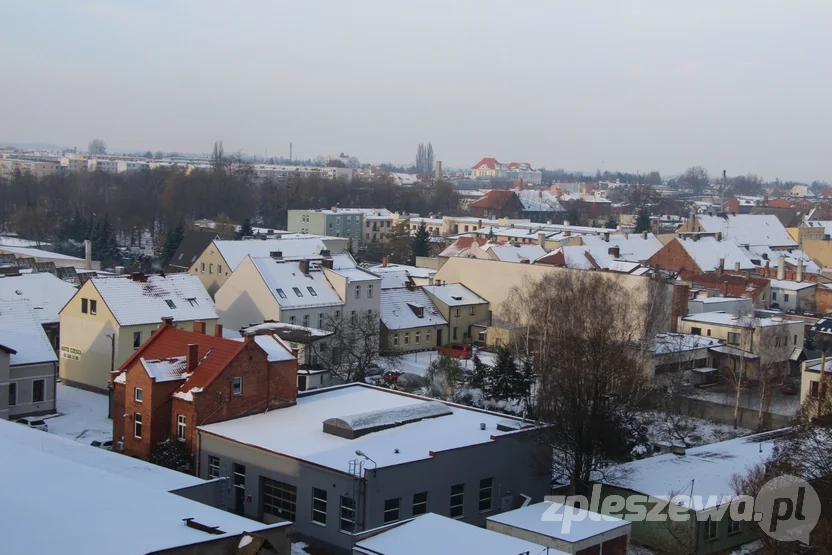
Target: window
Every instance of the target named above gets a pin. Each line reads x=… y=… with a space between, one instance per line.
x=407 y=338
x=12 y=394
x=297 y=291
x=710 y=529
x=733 y=338
x=352 y=316
x=416 y=338
x=94 y=306
x=203 y=267
x=370 y=291
x=420 y=503
x=427 y=336
x=457 y=500
x=279 y=499
x=708 y=332
x=347 y=520
x=137 y=425
x=38 y=391
x=210 y=268
x=733 y=526
x=320 y=320
x=395 y=339
x=292 y=319
x=181 y=427
x=357 y=291
x=456 y=312
x=192 y=301
x=137 y=339
x=281 y=294
x=319 y=506
x=213 y=467
x=486 y=489
x=311 y=291
x=455 y=332
x=219 y=269
x=785 y=297
x=305 y=320
x=84 y=304
x=774 y=295
x=814 y=389
x=170 y=303
x=239 y=478
x=696 y=331
x=472 y=310
x=391 y=510
x=138 y=394
x=238 y=385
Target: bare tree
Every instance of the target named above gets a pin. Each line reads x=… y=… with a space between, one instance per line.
x=218 y=160
x=97 y=147
x=428 y=159
x=353 y=346
x=421 y=158
x=578 y=327
x=774 y=350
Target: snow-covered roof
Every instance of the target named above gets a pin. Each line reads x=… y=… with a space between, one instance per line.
x=39 y=253
x=722 y=318
x=399 y=308
x=95 y=494
x=748 y=229
x=516 y=253
x=12 y=241
x=297 y=431
x=414 y=271
x=760 y=254
x=235 y=251
x=432 y=533
x=584 y=525
x=666 y=343
x=278 y=326
x=21 y=330
x=276 y=349
x=146 y=300
x=631 y=247
x=710 y=467
x=454 y=294
x=47 y=293
x=707 y=252
x=356 y=274
x=391 y=280
x=538 y=201
x=790 y=285
x=165 y=370
x=292 y=288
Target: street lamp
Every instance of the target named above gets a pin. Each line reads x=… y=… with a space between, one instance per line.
x=361 y=454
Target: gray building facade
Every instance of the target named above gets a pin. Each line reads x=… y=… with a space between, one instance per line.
x=334 y=223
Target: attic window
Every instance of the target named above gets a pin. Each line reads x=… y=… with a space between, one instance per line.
x=311 y=291
x=297 y=291
x=170 y=303
x=193 y=302
x=281 y=294
x=418 y=310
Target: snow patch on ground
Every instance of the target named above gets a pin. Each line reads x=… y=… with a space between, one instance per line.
x=299 y=548
x=675 y=429
x=82 y=415
x=749 y=548
x=417 y=363
x=639 y=550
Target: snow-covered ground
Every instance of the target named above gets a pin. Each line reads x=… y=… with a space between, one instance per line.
x=298 y=548
x=417 y=363
x=676 y=429
x=81 y=416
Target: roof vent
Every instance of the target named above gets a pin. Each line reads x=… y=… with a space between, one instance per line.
x=456 y=297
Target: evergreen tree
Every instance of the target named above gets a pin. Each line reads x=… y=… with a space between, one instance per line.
x=173 y=239
x=611 y=223
x=491 y=236
x=245 y=229
x=171 y=454
x=643 y=220
x=104 y=243
x=421 y=241
x=525 y=382
x=479 y=375
x=504 y=375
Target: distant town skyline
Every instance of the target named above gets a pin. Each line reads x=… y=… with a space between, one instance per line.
x=637 y=86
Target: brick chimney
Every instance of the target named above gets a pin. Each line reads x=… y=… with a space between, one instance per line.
x=167 y=321
x=199 y=327
x=679 y=305
x=615 y=252
x=721 y=267
x=138 y=276
x=304 y=267
x=737 y=267
x=193 y=357
x=799 y=270
x=384 y=261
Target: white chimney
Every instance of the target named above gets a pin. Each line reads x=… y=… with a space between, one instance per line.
x=799 y=269
x=781 y=267
x=87 y=254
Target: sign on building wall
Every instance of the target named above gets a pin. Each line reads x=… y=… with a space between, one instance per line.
x=70 y=353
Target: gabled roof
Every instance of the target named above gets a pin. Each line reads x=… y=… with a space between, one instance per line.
x=145 y=300
x=539 y=201
x=193 y=244
x=634 y=247
x=759 y=255
x=22 y=332
x=515 y=253
x=492 y=163
x=707 y=252
x=47 y=293
x=235 y=251
x=454 y=294
x=291 y=288
x=461 y=244
x=748 y=229
x=496 y=199
x=400 y=308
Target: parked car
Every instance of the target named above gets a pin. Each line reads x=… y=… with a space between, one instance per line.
x=108 y=445
x=456 y=350
x=789 y=388
x=34 y=422
x=372 y=369
x=391 y=376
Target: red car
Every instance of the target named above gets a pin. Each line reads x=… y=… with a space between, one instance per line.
x=456 y=350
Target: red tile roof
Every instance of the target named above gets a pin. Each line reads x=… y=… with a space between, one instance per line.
x=779 y=203
x=493 y=199
x=490 y=162
x=215 y=353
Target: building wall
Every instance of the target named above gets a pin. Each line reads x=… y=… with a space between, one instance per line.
x=819 y=250
x=500 y=460
x=212 y=269
x=393 y=341
x=463 y=321
x=791 y=300
x=4 y=384
x=348 y=224
x=24 y=376
x=245 y=298
x=558 y=543
x=296 y=222
x=85 y=352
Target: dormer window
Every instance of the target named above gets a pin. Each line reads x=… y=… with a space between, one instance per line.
x=418 y=310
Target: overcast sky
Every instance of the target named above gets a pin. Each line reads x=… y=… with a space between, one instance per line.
x=743 y=85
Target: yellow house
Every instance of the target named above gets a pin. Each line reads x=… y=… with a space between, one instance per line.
x=108 y=318
x=461 y=307
x=410 y=321
x=222 y=257
x=813 y=384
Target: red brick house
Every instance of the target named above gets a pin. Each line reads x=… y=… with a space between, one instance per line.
x=179 y=380
x=497 y=204
x=779 y=203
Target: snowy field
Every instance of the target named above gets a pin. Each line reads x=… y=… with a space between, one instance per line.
x=81 y=416
x=678 y=429
x=417 y=363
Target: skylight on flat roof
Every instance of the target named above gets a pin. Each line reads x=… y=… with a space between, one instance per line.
x=281 y=294
x=170 y=303
x=357 y=425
